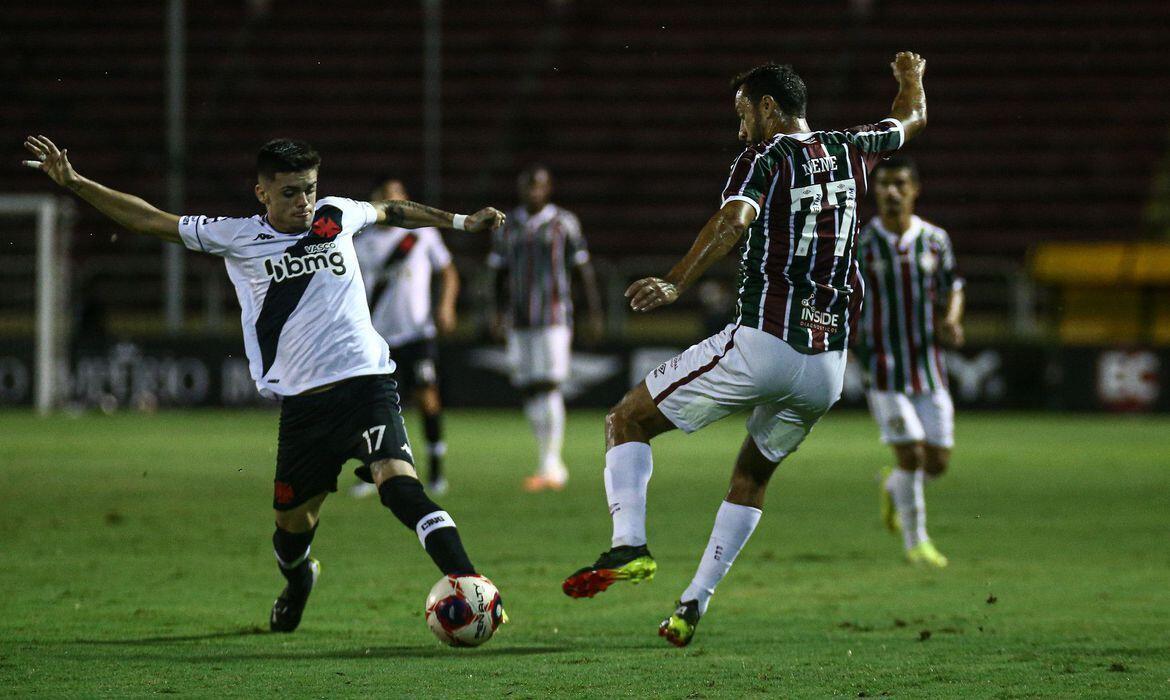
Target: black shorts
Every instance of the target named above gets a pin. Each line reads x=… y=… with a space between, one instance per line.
x=357 y=418
x=417 y=365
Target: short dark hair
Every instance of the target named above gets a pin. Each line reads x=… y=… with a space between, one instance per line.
x=898 y=161
x=285 y=156
x=383 y=178
x=779 y=81
x=531 y=170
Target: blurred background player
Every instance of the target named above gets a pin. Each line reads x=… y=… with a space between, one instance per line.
x=532 y=255
x=794 y=192
x=909 y=269
x=309 y=341
x=397 y=265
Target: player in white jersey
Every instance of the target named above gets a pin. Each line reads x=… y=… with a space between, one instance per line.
x=397 y=265
x=793 y=192
x=532 y=256
x=910 y=274
x=309 y=341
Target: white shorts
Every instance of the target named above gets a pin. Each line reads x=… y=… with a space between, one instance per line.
x=904 y=418
x=740 y=368
x=539 y=354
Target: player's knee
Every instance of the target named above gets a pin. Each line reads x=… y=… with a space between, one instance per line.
x=620 y=417
x=911 y=456
x=297 y=520
x=937 y=462
x=428 y=401
x=386 y=469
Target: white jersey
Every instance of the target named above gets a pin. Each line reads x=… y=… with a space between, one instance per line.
x=302 y=300
x=397 y=265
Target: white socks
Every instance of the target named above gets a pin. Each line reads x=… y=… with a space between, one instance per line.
x=627 y=474
x=910 y=502
x=734 y=524
x=546 y=414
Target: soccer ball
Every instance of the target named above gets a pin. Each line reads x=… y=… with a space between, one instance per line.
x=464 y=611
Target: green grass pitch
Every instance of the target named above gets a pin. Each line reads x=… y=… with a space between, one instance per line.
x=136 y=560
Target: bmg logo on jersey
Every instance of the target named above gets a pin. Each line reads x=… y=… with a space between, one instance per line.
x=320 y=256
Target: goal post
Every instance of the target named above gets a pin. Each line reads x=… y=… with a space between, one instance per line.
x=52 y=217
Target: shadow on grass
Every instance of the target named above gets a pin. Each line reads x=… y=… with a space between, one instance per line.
x=370 y=652
x=174 y=639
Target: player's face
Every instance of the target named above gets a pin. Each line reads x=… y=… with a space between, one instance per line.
x=392 y=190
x=751 y=124
x=289 y=198
x=535 y=191
x=895 y=191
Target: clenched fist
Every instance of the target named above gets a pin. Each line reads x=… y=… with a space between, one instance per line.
x=908 y=65
x=484 y=220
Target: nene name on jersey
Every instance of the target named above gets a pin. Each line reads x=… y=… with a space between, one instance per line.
x=302 y=300
x=907 y=276
x=798 y=270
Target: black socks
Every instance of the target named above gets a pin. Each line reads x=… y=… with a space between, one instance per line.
x=404 y=496
x=292 y=551
x=433 y=429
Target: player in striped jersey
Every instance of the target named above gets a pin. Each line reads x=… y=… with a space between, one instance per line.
x=909 y=270
x=532 y=256
x=793 y=192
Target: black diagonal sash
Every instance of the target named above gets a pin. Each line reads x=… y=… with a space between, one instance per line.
x=397 y=256
x=283 y=297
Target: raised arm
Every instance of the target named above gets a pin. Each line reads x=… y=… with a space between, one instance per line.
x=414 y=215
x=130 y=212
x=910 y=104
x=717 y=238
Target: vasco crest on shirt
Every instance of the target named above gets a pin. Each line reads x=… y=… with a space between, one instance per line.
x=327 y=222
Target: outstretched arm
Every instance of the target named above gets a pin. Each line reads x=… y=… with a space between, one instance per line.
x=414 y=215
x=128 y=211
x=910 y=104
x=716 y=239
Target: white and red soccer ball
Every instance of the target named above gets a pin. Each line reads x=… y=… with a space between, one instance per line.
x=464 y=611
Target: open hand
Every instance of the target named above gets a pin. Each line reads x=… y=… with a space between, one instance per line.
x=908 y=66
x=650 y=293
x=50 y=160
x=484 y=220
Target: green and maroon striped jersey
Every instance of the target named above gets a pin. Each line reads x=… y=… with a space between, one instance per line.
x=798 y=272
x=907 y=277
x=538 y=250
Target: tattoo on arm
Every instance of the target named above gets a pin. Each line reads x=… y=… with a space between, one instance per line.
x=399 y=213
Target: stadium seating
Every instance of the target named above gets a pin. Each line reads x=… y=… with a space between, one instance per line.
x=630 y=108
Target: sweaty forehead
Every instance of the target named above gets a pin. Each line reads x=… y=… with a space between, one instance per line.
x=742 y=103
